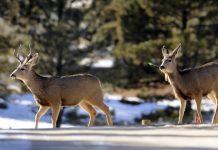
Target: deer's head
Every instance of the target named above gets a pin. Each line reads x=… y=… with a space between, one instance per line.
x=24 y=69
x=168 y=64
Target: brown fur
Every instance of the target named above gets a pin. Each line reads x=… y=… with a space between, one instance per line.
x=82 y=89
x=191 y=83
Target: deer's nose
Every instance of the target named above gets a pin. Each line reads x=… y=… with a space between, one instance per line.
x=12 y=75
x=161 y=67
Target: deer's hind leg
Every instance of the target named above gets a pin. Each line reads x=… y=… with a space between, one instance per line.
x=100 y=104
x=198 y=99
x=92 y=112
x=106 y=110
x=214 y=98
x=215 y=116
x=97 y=101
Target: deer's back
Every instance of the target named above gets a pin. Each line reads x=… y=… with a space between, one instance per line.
x=79 y=87
x=207 y=76
x=202 y=79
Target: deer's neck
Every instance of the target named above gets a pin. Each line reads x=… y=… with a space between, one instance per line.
x=35 y=83
x=176 y=80
x=175 y=77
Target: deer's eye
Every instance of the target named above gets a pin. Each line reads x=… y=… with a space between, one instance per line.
x=22 y=69
x=169 y=60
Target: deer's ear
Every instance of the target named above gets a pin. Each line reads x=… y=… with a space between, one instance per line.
x=175 y=51
x=164 y=51
x=34 y=60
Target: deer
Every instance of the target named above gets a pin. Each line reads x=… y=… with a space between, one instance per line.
x=84 y=90
x=191 y=83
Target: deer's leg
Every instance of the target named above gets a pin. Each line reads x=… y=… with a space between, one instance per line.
x=181 y=110
x=92 y=112
x=106 y=110
x=42 y=110
x=198 y=104
x=215 y=116
x=55 y=112
x=212 y=97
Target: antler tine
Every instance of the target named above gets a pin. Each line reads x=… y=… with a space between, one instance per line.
x=30 y=49
x=16 y=54
x=164 y=47
x=29 y=56
x=18 y=51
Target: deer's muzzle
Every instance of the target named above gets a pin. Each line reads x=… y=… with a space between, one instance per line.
x=13 y=76
x=161 y=67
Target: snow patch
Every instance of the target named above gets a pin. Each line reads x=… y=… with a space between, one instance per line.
x=21 y=114
x=103 y=63
x=21 y=110
x=206 y=105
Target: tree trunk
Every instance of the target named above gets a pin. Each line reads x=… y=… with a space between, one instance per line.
x=183 y=28
x=59 y=73
x=185 y=13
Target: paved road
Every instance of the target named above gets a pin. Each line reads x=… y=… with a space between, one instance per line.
x=201 y=137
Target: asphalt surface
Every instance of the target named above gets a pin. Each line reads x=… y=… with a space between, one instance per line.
x=171 y=137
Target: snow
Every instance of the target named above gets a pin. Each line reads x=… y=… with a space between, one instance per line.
x=113 y=97
x=21 y=113
x=10 y=123
x=1 y=100
x=125 y=112
x=98 y=62
x=81 y=3
x=170 y=103
x=171 y=137
x=21 y=110
x=134 y=99
x=206 y=105
x=128 y=113
x=85 y=61
x=103 y=63
x=14 y=87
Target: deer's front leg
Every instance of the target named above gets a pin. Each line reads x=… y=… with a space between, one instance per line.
x=42 y=110
x=55 y=113
x=181 y=110
x=198 y=104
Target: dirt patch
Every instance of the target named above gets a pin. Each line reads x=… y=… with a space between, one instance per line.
x=153 y=90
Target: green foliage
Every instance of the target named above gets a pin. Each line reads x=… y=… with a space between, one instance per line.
x=132 y=31
x=137 y=29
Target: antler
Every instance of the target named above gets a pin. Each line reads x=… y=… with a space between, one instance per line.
x=30 y=50
x=16 y=54
x=29 y=56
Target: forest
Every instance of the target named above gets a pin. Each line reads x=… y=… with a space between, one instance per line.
x=119 y=41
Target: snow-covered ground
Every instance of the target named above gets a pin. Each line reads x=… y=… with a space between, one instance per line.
x=22 y=109
x=128 y=113
x=21 y=113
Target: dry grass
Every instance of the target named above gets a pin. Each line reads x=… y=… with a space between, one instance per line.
x=153 y=90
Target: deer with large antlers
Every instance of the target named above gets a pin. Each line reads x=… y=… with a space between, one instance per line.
x=193 y=83
x=81 y=89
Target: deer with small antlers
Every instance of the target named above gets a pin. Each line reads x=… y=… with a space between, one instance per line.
x=193 y=83
x=81 y=89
